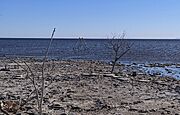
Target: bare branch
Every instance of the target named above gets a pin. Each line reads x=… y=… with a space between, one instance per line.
x=43 y=65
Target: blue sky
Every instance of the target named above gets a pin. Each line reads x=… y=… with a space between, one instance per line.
x=90 y=18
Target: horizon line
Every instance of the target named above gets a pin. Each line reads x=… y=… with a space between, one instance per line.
x=88 y=37
x=45 y=38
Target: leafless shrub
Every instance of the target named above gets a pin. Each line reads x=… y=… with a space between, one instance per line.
x=80 y=48
x=36 y=78
x=118 y=47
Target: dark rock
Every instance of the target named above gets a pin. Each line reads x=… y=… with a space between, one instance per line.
x=45 y=113
x=110 y=97
x=168 y=112
x=75 y=109
x=62 y=99
x=63 y=114
x=143 y=111
x=11 y=96
x=137 y=102
x=152 y=110
x=133 y=74
x=56 y=106
x=4 y=69
x=70 y=91
x=68 y=96
x=99 y=103
x=177 y=89
x=115 y=85
x=124 y=103
x=2 y=97
x=30 y=113
x=132 y=109
x=53 y=92
x=28 y=107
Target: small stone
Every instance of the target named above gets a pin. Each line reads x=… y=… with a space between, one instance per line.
x=177 y=89
x=45 y=113
x=56 y=106
x=152 y=110
x=132 y=109
x=63 y=114
x=2 y=97
x=28 y=107
x=75 y=108
x=143 y=111
x=137 y=102
x=30 y=113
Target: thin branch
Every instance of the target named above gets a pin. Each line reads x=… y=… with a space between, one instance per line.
x=32 y=80
x=43 y=65
x=122 y=54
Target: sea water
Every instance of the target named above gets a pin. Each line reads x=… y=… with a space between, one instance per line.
x=142 y=51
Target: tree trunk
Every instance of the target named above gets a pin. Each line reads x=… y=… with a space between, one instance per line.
x=113 y=66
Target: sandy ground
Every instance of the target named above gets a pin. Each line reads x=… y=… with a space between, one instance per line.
x=88 y=88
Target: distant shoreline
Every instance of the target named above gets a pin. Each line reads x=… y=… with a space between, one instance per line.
x=74 y=38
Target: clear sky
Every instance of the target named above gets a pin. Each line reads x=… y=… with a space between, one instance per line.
x=89 y=18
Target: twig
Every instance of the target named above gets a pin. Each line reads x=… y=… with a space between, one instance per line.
x=32 y=80
x=42 y=80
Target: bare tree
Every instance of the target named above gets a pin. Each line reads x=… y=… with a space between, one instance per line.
x=118 y=46
x=80 y=48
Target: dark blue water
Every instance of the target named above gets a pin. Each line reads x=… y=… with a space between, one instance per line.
x=95 y=49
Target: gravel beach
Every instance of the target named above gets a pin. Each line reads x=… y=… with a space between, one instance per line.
x=76 y=87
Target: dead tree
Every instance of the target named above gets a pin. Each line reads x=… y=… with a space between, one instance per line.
x=80 y=48
x=118 y=46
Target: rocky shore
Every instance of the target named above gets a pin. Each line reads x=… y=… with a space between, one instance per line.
x=87 y=88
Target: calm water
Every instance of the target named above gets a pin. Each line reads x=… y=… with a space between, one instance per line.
x=141 y=51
